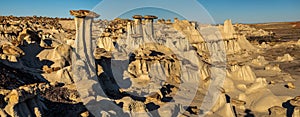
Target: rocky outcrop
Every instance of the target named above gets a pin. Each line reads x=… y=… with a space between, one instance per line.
x=273 y=67
x=25 y=101
x=228 y=29
x=285 y=58
x=153 y=65
x=249 y=31
x=10 y=52
x=189 y=31
x=260 y=61
x=106 y=42
x=296 y=101
x=242 y=73
x=259 y=98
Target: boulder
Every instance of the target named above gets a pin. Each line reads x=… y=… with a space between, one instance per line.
x=260 y=61
x=273 y=67
x=277 y=111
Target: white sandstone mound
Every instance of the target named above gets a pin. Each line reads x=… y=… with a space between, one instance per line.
x=189 y=31
x=242 y=73
x=277 y=111
x=259 y=98
x=59 y=56
x=260 y=61
x=285 y=58
x=222 y=107
x=245 y=44
x=219 y=103
x=229 y=85
x=273 y=67
x=260 y=83
x=222 y=38
x=226 y=111
x=232 y=46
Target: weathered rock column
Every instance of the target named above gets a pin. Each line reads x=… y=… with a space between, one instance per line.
x=84 y=71
x=138 y=28
x=149 y=25
x=83 y=63
x=228 y=29
x=83 y=42
x=129 y=30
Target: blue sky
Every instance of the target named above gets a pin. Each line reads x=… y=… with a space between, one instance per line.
x=243 y=11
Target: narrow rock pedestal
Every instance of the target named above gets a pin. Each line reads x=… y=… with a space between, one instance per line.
x=138 y=28
x=84 y=71
x=149 y=25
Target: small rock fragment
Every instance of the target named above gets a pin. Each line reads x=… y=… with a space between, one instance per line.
x=295 y=102
x=290 y=85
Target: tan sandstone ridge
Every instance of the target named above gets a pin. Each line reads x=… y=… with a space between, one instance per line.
x=145 y=68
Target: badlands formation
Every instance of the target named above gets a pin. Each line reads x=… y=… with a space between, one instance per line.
x=145 y=66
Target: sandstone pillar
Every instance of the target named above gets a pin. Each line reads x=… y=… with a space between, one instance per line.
x=129 y=30
x=138 y=28
x=228 y=29
x=84 y=71
x=149 y=25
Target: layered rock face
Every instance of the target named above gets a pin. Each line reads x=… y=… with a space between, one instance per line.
x=141 y=67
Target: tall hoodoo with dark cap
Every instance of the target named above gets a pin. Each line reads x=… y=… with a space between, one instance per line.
x=138 y=28
x=84 y=72
x=149 y=25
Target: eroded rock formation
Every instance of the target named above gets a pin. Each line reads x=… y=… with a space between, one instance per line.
x=141 y=67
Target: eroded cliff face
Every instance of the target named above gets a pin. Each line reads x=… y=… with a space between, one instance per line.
x=144 y=68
